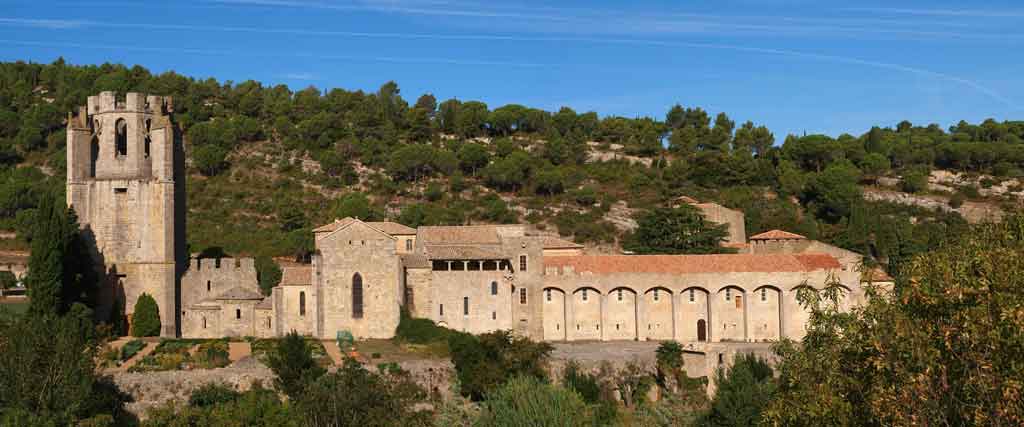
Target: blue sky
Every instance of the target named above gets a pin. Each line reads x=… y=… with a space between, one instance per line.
x=794 y=65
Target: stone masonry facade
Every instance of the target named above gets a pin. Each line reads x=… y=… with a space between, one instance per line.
x=123 y=180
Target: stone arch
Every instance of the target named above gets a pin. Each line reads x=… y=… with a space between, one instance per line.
x=357 y=296
x=586 y=309
x=764 y=311
x=658 y=314
x=553 y=302
x=693 y=308
x=620 y=317
x=797 y=315
x=728 y=306
x=121 y=138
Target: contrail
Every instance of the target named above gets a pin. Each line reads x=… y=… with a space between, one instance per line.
x=489 y=37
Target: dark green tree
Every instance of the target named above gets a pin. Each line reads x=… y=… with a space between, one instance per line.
x=742 y=393
x=268 y=274
x=681 y=230
x=356 y=397
x=146 y=318
x=485 y=362
x=293 y=365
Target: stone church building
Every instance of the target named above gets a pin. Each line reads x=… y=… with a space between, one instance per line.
x=124 y=175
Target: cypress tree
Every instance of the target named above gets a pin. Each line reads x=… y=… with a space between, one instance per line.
x=146 y=318
x=46 y=272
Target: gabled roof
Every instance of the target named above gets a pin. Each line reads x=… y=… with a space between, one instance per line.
x=556 y=243
x=392 y=228
x=387 y=227
x=297 y=275
x=340 y=224
x=777 y=235
x=465 y=252
x=695 y=264
x=239 y=293
x=460 y=234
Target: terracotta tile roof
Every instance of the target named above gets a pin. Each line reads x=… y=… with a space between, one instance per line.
x=414 y=261
x=692 y=264
x=777 y=235
x=556 y=243
x=240 y=293
x=297 y=276
x=266 y=304
x=462 y=234
x=466 y=252
x=392 y=228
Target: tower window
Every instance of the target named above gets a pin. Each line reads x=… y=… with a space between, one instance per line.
x=204 y=322
x=121 y=138
x=145 y=144
x=302 y=303
x=494 y=288
x=207 y=286
x=522 y=295
x=408 y=244
x=465 y=306
x=494 y=315
x=441 y=312
x=238 y=313
x=357 y=296
x=522 y=262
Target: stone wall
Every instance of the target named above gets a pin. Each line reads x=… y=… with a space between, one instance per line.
x=358 y=250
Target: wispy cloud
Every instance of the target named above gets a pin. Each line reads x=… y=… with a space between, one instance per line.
x=50 y=24
x=300 y=76
x=973 y=13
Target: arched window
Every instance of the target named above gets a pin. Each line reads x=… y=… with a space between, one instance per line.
x=94 y=153
x=302 y=303
x=494 y=288
x=357 y=296
x=207 y=286
x=465 y=306
x=238 y=313
x=120 y=138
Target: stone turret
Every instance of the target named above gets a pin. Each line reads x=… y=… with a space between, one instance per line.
x=121 y=180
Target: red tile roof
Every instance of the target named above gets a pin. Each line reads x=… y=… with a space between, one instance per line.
x=777 y=235
x=297 y=276
x=692 y=264
x=460 y=235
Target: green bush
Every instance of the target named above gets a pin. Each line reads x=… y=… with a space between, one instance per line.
x=420 y=331
x=485 y=362
x=354 y=396
x=743 y=392
x=132 y=348
x=212 y=354
x=146 y=318
x=527 y=401
x=293 y=365
x=212 y=394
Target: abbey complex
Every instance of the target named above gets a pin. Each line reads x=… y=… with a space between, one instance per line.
x=124 y=179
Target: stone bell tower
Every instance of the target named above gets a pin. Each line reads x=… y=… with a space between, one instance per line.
x=121 y=181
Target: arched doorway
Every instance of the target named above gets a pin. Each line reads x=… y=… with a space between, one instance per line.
x=702 y=330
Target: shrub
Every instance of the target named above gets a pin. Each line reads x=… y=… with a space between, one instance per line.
x=146 y=319
x=213 y=354
x=485 y=362
x=970 y=191
x=293 y=364
x=743 y=393
x=420 y=331
x=354 y=396
x=132 y=348
x=956 y=200
x=527 y=401
x=212 y=394
x=914 y=181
